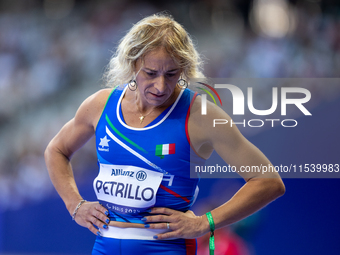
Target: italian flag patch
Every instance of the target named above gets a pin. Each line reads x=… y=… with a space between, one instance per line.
x=165 y=149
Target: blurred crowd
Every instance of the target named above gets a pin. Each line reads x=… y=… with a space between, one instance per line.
x=53 y=54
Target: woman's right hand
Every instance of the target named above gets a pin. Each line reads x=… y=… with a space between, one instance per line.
x=91 y=215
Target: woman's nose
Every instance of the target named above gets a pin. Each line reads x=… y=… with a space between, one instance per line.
x=160 y=83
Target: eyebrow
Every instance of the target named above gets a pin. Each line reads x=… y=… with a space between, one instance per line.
x=169 y=71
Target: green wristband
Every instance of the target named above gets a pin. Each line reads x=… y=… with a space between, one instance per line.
x=212 y=229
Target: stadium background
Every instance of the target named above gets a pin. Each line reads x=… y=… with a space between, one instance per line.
x=52 y=56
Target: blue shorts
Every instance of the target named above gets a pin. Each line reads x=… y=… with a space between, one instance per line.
x=110 y=246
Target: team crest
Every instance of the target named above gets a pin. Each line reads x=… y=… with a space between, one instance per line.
x=104 y=143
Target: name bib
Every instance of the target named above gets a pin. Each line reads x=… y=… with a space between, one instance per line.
x=126 y=189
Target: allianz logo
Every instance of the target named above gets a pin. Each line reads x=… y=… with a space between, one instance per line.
x=117 y=172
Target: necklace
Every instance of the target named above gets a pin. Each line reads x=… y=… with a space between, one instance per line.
x=141 y=118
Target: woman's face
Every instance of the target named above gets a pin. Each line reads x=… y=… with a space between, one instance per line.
x=157 y=77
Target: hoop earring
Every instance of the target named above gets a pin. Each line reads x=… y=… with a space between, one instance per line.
x=182 y=84
x=132 y=85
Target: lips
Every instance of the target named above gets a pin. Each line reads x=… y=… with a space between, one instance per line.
x=157 y=95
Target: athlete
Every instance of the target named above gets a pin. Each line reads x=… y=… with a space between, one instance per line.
x=149 y=133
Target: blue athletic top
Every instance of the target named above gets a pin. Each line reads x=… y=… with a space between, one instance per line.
x=128 y=156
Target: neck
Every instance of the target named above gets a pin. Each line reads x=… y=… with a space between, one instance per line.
x=145 y=108
x=134 y=107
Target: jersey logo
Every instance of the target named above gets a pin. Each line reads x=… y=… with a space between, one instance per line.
x=165 y=149
x=104 y=142
x=141 y=175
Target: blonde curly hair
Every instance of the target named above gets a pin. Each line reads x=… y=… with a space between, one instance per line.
x=158 y=30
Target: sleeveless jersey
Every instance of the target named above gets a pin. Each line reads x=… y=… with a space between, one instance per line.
x=141 y=168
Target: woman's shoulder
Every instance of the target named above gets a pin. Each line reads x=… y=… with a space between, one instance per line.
x=92 y=107
x=99 y=98
x=102 y=93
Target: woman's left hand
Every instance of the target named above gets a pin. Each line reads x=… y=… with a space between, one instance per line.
x=181 y=225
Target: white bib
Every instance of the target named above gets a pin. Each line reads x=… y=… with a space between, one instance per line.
x=126 y=189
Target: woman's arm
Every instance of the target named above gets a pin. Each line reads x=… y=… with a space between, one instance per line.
x=259 y=189
x=59 y=151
